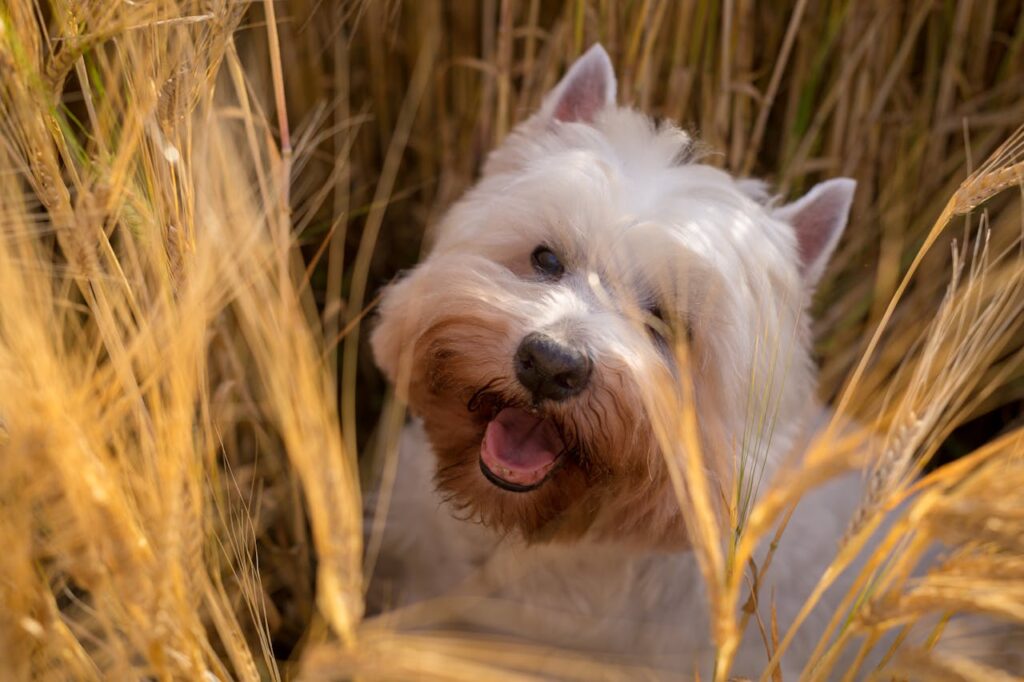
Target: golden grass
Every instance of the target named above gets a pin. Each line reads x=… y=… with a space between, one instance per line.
x=180 y=492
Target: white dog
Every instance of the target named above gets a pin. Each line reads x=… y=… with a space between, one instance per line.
x=527 y=344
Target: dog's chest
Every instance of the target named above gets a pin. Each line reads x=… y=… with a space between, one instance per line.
x=644 y=606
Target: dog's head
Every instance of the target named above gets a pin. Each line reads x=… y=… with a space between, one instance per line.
x=539 y=339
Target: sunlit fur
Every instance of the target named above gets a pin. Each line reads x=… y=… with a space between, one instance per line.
x=638 y=223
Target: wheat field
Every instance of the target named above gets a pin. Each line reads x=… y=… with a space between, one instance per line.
x=199 y=200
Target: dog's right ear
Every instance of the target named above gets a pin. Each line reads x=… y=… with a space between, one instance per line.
x=587 y=89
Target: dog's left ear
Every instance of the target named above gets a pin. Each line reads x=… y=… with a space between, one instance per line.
x=587 y=89
x=818 y=218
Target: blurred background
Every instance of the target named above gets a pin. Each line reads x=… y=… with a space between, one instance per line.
x=377 y=114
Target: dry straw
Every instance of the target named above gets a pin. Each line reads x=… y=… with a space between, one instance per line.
x=180 y=491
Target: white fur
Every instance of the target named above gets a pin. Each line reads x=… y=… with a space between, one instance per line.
x=633 y=219
x=608 y=599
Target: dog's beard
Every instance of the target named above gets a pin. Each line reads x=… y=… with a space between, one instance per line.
x=549 y=471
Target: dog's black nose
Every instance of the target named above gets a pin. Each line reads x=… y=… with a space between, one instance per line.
x=551 y=370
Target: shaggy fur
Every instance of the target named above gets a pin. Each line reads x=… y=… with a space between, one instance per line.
x=658 y=251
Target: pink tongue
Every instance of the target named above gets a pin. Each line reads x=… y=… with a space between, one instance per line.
x=519 y=447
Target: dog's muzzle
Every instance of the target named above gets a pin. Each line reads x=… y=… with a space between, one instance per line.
x=550 y=370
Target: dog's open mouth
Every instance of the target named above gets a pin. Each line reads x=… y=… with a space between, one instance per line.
x=520 y=449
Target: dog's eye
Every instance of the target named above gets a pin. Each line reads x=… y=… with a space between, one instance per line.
x=546 y=262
